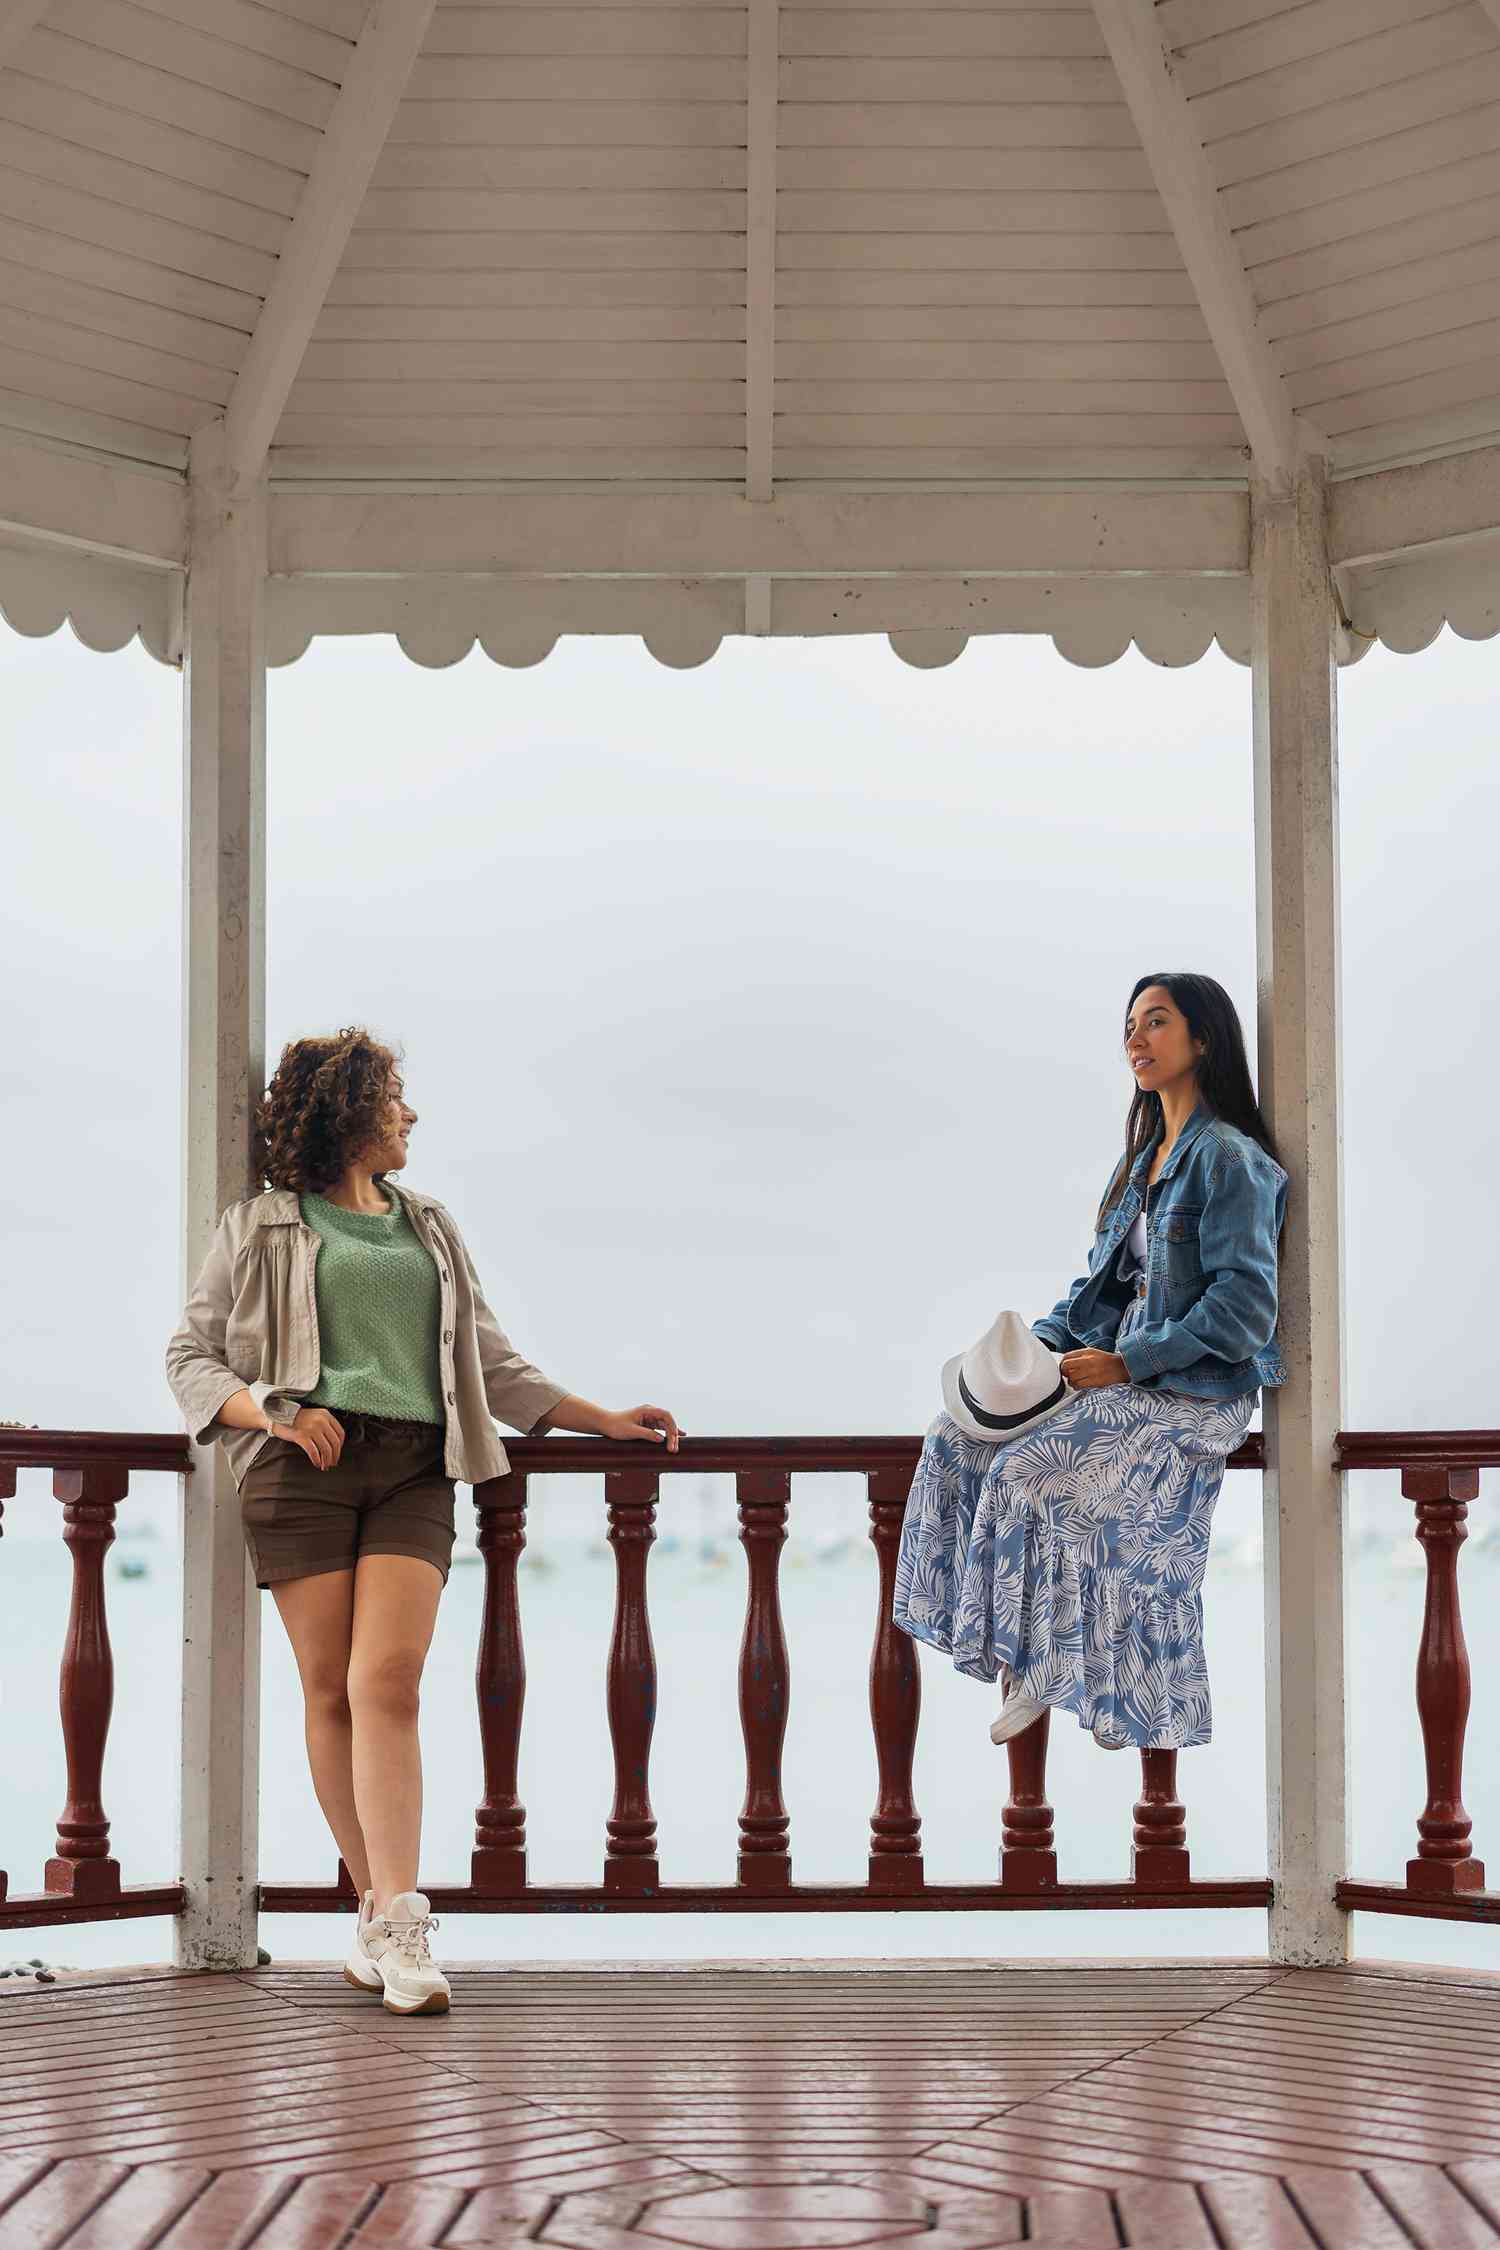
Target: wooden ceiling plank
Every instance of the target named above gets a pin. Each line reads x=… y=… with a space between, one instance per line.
x=356 y=130
x=1050 y=34
x=25 y=411
x=1187 y=188
x=530 y=288
x=145 y=91
x=132 y=280
x=1385 y=58
x=587 y=31
x=761 y=105
x=191 y=158
x=463 y=358
x=1449 y=91
x=1293 y=37
x=472 y=325
x=194 y=58
x=1433 y=147
x=948 y=324
x=1369 y=408
x=506 y=169
x=139 y=188
x=1381 y=205
x=84 y=348
x=100 y=393
x=1383 y=307
x=568 y=123
x=104 y=222
x=1434 y=353
x=108 y=312
x=481 y=254
x=1432 y=234
x=18 y=19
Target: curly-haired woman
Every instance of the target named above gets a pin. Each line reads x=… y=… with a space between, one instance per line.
x=1070 y=1557
x=338 y=1344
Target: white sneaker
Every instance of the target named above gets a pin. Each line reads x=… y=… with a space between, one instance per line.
x=1018 y=1713
x=360 y=1969
x=414 y=1984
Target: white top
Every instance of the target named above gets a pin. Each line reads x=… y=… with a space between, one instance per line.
x=1137 y=1238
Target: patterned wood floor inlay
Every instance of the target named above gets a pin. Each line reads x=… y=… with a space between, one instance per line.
x=756 y=2107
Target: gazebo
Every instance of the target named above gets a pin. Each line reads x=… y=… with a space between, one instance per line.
x=1156 y=325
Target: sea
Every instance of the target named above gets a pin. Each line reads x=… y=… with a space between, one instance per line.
x=697 y=1593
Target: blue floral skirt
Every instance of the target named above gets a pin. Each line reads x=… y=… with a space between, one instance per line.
x=1074 y=1555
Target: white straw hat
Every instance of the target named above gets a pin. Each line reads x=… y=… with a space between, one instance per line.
x=1005 y=1384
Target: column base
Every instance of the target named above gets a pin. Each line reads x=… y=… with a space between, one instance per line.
x=1444 y=1878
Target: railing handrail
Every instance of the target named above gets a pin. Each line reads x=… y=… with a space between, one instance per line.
x=168 y=1450
x=88 y=1449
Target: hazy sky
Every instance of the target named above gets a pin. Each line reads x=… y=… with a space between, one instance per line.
x=763 y=1020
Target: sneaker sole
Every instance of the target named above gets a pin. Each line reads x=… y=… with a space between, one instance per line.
x=359 y=1983
x=436 y=2004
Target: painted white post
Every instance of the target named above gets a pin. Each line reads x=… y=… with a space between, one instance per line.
x=224 y=985
x=1301 y=1086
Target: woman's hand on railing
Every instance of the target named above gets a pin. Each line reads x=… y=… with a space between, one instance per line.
x=653 y=1423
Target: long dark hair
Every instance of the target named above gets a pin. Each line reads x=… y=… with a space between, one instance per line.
x=1224 y=1083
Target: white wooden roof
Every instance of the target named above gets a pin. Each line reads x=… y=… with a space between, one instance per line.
x=735 y=256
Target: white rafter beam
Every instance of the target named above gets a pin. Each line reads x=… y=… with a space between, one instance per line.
x=760 y=245
x=1187 y=187
x=17 y=18
x=352 y=141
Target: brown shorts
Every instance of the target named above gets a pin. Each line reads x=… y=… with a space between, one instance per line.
x=385 y=1495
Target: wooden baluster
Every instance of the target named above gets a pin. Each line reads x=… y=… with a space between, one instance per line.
x=498 y=1863
x=630 y=1852
x=765 y=1862
x=7 y=1492
x=82 y=1867
x=1028 y=1860
x=1444 y=1863
x=895 y=1703
x=1159 y=1854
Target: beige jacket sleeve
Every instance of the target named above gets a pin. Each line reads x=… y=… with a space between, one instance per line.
x=201 y=1380
x=515 y=1392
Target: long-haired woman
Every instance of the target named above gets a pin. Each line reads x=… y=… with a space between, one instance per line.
x=337 y=1342
x=1070 y=1558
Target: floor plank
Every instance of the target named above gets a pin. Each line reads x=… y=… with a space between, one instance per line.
x=1232 y=2107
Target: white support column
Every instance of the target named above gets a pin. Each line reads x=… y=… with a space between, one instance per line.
x=1301 y=1087
x=224 y=1008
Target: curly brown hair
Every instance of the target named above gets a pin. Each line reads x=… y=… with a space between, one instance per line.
x=328 y=1100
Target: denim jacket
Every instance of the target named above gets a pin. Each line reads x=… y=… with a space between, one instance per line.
x=1213 y=1221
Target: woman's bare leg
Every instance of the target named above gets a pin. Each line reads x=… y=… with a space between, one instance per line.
x=318 y=1616
x=395 y=1609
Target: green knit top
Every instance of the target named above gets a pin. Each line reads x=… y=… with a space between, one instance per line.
x=378 y=1311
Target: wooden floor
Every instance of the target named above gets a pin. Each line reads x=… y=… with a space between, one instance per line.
x=755 y=2108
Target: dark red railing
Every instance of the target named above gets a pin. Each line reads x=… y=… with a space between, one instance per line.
x=1440 y=1473
x=91 y=1472
x=91 y=1476
x=630 y=1879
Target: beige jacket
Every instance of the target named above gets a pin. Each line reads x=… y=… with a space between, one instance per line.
x=251 y=1323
